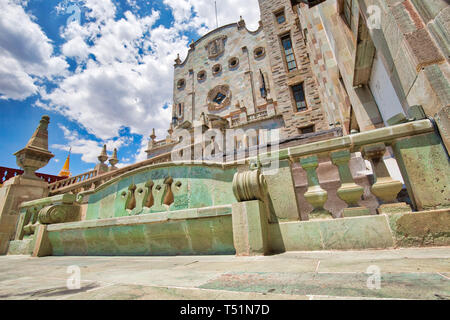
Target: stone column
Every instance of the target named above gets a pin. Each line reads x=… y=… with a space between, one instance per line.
x=315 y=195
x=349 y=191
x=385 y=188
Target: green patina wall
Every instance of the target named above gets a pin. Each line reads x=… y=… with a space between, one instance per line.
x=192 y=187
x=368 y=232
x=418 y=229
x=189 y=232
x=425 y=168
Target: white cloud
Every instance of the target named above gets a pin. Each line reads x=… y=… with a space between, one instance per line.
x=129 y=80
x=26 y=54
x=89 y=149
x=200 y=14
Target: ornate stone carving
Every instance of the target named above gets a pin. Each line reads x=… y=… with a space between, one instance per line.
x=59 y=214
x=219 y=98
x=252 y=185
x=131 y=199
x=216 y=47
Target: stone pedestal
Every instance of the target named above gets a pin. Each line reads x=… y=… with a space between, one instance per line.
x=15 y=191
x=250 y=228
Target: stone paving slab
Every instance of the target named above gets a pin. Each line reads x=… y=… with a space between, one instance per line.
x=413 y=273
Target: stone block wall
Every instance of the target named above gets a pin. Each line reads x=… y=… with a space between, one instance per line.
x=316 y=113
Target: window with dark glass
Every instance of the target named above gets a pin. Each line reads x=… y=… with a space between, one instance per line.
x=219 y=98
x=280 y=17
x=289 y=52
x=308 y=129
x=347 y=10
x=299 y=97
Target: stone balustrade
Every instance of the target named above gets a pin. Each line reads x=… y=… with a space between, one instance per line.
x=92 y=179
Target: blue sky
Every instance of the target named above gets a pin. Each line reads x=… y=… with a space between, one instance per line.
x=101 y=69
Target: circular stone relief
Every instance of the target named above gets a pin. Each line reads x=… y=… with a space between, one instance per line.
x=233 y=63
x=219 y=98
x=216 y=69
x=259 y=52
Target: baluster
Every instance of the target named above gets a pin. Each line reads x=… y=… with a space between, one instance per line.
x=385 y=188
x=315 y=195
x=349 y=191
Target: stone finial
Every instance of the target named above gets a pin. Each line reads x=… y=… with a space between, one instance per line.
x=35 y=155
x=241 y=23
x=178 y=60
x=192 y=44
x=153 y=135
x=103 y=155
x=114 y=160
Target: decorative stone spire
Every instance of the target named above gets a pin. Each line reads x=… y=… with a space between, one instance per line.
x=113 y=161
x=153 y=135
x=65 y=171
x=191 y=45
x=103 y=155
x=102 y=167
x=35 y=155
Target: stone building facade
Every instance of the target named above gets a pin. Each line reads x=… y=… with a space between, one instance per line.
x=326 y=68
x=388 y=56
x=241 y=79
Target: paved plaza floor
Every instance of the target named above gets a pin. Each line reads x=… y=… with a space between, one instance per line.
x=414 y=273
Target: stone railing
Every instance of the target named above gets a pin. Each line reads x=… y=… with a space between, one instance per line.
x=416 y=148
x=258 y=115
x=7 y=173
x=91 y=179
